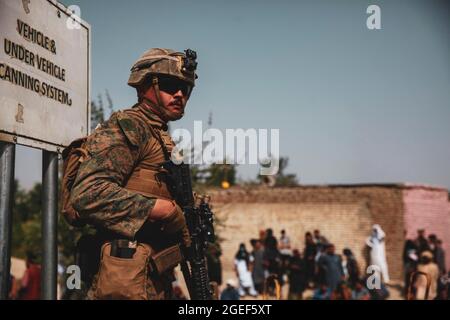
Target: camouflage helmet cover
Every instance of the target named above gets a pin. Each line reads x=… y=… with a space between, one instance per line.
x=158 y=61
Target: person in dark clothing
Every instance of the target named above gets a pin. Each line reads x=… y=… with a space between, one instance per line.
x=409 y=249
x=331 y=264
x=230 y=292
x=262 y=236
x=257 y=265
x=272 y=262
x=443 y=287
x=447 y=280
x=297 y=276
x=284 y=246
x=421 y=242
x=438 y=252
x=440 y=257
x=321 y=243
x=352 y=268
x=213 y=254
x=309 y=255
x=270 y=241
x=410 y=260
x=320 y=240
x=272 y=256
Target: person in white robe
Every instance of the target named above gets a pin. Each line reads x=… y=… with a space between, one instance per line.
x=376 y=243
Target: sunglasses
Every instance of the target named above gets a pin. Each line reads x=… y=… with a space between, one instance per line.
x=172 y=86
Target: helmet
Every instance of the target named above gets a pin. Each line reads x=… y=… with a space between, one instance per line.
x=166 y=62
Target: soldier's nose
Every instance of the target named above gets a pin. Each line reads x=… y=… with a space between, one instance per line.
x=179 y=93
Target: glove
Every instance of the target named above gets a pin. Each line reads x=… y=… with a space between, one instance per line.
x=174 y=227
x=174 y=222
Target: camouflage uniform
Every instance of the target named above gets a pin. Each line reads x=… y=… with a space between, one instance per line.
x=117 y=153
x=114 y=149
x=99 y=193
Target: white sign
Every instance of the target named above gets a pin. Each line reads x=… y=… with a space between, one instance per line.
x=44 y=74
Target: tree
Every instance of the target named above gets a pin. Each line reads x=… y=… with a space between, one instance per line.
x=220 y=173
x=213 y=175
x=27 y=228
x=283 y=179
x=26 y=221
x=98 y=115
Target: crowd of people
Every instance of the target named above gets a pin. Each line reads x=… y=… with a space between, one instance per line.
x=425 y=255
x=272 y=263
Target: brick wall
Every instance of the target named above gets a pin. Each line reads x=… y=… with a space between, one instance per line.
x=428 y=208
x=346 y=225
x=344 y=214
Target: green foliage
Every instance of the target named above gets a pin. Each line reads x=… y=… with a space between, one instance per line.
x=220 y=173
x=284 y=179
x=210 y=177
x=67 y=239
x=98 y=115
x=26 y=229
x=213 y=175
x=26 y=221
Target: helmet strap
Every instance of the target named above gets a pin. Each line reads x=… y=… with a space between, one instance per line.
x=155 y=85
x=159 y=107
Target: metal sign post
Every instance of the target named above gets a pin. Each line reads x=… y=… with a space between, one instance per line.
x=7 y=157
x=45 y=104
x=49 y=224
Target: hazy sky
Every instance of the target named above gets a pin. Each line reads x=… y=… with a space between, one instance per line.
x=353 y=105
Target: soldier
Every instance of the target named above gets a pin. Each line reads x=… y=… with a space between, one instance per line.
x=120 y=187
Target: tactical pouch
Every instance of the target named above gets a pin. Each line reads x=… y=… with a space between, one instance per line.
x=166 y=259
x=123 y=278
x=131 y=278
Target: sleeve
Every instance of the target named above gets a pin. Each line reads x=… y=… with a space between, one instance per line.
x=98 y=193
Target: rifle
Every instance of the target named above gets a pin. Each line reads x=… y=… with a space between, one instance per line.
x=199 y=219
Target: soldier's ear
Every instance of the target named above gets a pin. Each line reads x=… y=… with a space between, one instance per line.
x=144 y=87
